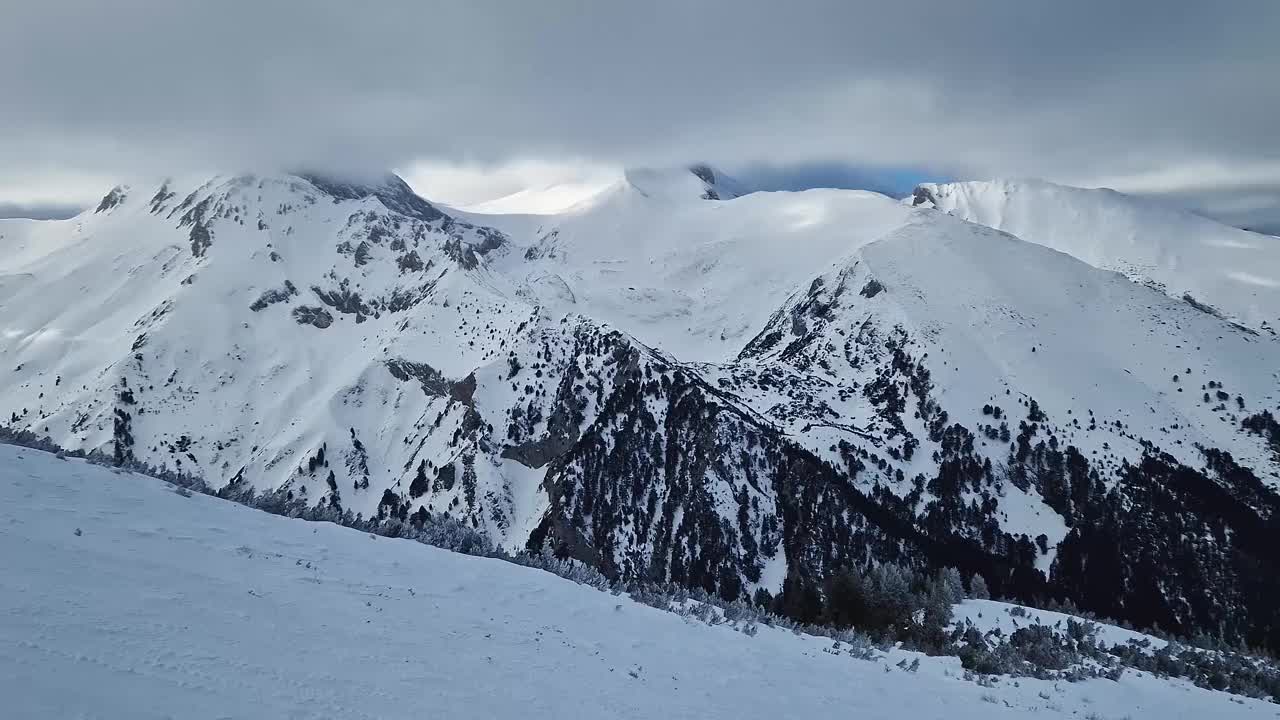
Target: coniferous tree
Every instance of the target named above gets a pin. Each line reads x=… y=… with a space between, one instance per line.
x=978 y=588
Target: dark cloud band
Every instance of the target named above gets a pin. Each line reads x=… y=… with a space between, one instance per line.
x=1064 y=90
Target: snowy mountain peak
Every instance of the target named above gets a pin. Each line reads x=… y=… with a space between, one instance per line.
x=700 y=181
x=719 y=185
x=391 y=190
x=270 y=202
x=1215 y=267
x=116 y=196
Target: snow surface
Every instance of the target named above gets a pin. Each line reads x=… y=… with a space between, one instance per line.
x=558 y=197
x=121 y=598
x=549 y=199
x=990 y=615
x=1235 y=271
x=695 y=278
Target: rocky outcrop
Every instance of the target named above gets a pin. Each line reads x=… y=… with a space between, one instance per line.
x=308 y=315
x=116 y=196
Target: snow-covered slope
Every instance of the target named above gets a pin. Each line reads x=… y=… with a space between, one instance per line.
x=1232 y=271
x=740 y=394
x=1094 y=351
x=539 y=200
x=554 y=198
x=697 y=279
x=994 y=616
x=121 y=598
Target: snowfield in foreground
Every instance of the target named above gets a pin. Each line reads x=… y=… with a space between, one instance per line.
x=120 y=598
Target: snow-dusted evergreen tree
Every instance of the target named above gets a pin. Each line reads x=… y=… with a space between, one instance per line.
x=952 y=583
x=978 y=588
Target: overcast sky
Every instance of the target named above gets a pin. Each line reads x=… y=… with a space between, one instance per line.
x=1176 y=98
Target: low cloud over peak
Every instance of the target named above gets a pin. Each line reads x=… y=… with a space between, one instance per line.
x=1069 y=91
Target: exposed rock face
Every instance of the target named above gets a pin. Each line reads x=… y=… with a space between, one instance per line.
x=410 y=262
x=277 y=295
x=200 y=238
x=718 y=187
x=432 y=382
x=115 y=197
x=923 y=196
x=708 y=176
x=308 y=315
x=393 y=193
x=467 y=254
x=162 y=196
x=343 y=299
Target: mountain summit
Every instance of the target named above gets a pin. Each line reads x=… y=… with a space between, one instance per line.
x=1217 y=268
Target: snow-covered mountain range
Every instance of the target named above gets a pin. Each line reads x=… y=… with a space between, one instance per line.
x=677 y=383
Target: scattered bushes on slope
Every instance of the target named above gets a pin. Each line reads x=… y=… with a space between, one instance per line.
x=863 y=610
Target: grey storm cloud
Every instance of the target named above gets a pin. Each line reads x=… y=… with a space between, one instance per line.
x=1067 y=90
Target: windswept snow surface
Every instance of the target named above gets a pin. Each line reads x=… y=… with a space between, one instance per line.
x=1234 y=271
x=120 y=598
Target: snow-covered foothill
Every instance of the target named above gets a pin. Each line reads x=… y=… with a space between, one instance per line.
x=120 y=597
